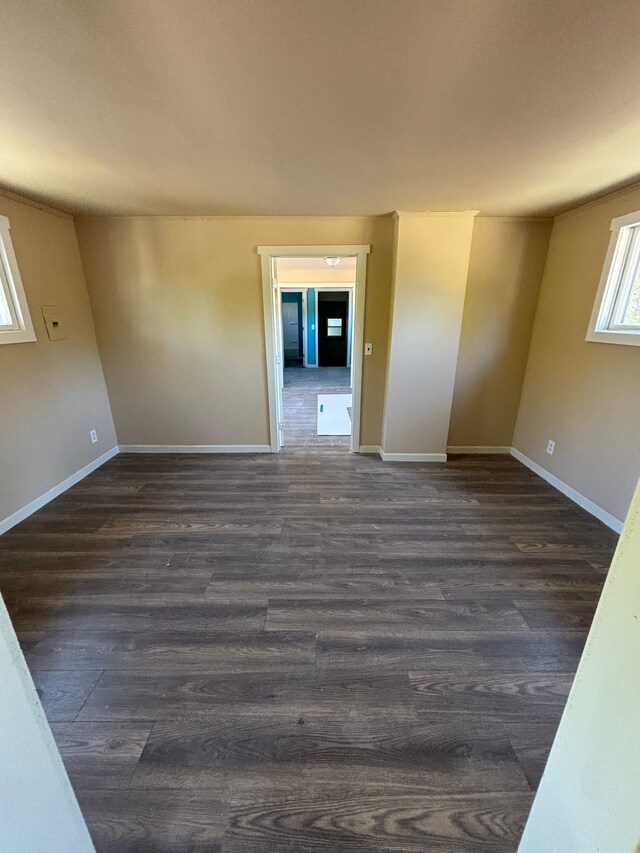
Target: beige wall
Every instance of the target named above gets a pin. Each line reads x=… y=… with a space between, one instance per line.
x=181 y=297
x=585 y=396
x=588 y=798
x=431 y=262
x=178 y=310
x=505 y=271
x=53 y=393
x=316 y=276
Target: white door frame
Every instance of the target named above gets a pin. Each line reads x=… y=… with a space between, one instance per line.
x=273 y=332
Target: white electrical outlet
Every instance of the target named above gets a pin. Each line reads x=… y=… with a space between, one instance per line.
x=551 y=447
x=93 y=435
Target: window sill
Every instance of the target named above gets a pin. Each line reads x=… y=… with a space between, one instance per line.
x=17 y=336
x=629 y=339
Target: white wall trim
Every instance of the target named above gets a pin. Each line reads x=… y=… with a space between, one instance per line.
x=413 y=457
x=415 y=213
x=374 y=449
x=600 y=199
x=22 y=330
x=591 y=507
x=29 y=202
x=195 y=448
x=614 y=281
x=348 y=250
x=539 y=219
x=36 y=504
x=480 y=449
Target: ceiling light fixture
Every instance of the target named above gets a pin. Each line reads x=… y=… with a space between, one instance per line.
x=332 y=262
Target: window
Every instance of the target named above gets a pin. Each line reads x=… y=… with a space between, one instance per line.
x=616 y=313
x=334 y=327
x=15 y=321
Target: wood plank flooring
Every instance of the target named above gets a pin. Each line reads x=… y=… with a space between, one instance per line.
x=305 y=653
x=300 y=406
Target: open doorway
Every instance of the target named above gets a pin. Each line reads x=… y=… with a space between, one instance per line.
x=335 y=320
x=314 y=319
x=317 y=400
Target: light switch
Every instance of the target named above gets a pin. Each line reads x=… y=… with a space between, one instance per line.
x=53 y=322
x=368 y=349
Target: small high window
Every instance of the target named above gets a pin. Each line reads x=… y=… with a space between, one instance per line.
x=616 y=313
x=334 y=327
x=15 y=320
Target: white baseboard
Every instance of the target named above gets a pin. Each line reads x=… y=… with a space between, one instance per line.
x=412 y=457
x=369 y=449
x=38 y=503
x=481 y=450
x=601 y=514
x=195 y=448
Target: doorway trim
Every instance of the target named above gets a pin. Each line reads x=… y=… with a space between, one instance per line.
x=273 y=345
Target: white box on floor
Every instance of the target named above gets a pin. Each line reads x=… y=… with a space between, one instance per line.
x=333 y=414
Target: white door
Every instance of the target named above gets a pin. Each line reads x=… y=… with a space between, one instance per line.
x=290 y=330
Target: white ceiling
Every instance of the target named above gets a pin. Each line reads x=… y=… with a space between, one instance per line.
x=318 y=106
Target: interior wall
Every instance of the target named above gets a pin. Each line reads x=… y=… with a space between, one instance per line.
x=39 y=810
x=177 y=299
x=328 y=275
x=588 y=798
x=430 y=267
x=53 y=392
x=505 y=272
x=583 y=395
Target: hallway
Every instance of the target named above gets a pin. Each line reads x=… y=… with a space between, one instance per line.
x=300 y=398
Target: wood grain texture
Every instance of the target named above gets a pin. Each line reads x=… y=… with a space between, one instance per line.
x=154 y=821
x=165 y=651
x=129 y=612
x=514 y=695
x=64 y=693
x=531 y=742
x=98 y=755
x=453 y=650
x=279 y=692
x=317 y=821
x=317 y=584
x=314 y=652
x=437 y=753
x=412 y=617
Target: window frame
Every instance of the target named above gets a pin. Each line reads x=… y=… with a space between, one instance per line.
x=614 y=291
x=13 y=294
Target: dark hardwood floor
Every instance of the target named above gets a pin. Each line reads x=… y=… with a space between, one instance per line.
x=309 y=653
